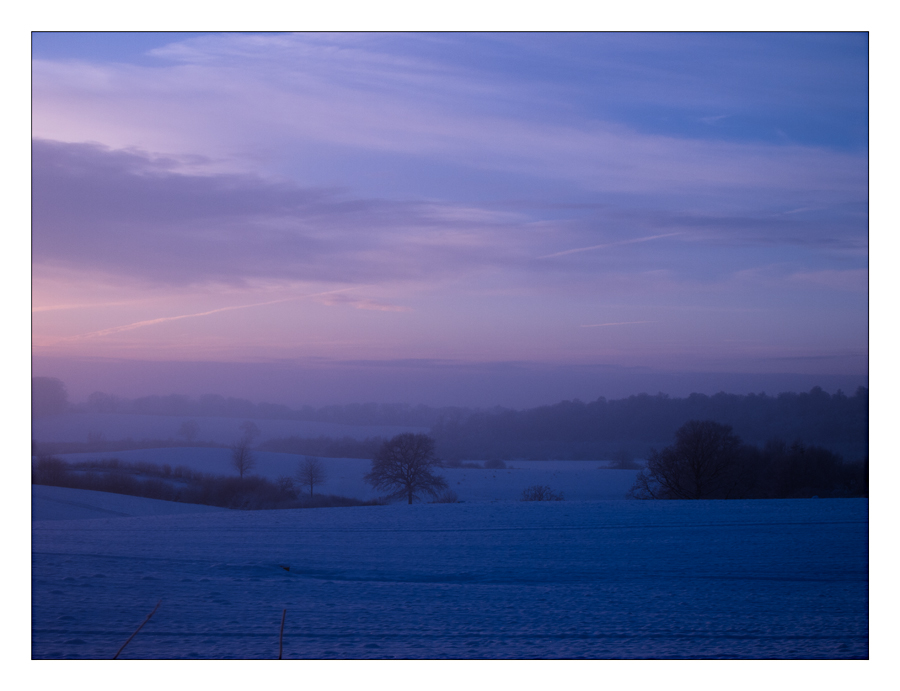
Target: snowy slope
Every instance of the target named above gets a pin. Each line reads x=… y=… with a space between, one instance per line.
x=603 y=579
x=63 y=503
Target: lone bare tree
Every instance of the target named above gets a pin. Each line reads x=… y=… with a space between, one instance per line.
x=623 y=460
x=188 y=430
x=48 y=396
x=705 y=462
x=241 y=457
x=403 y=466
x=310 y=471
x=250 y=430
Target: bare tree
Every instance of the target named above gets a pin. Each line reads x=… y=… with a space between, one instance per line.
x=48 y=396
x=241 y=457
x=403 y=466
x=623 y=460
x=188 y=430
x=250 y=430
x=310 y=471
x=705 y=462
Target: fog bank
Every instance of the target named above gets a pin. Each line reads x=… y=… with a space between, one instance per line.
x=428 y=382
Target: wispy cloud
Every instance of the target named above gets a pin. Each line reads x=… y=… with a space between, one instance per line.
x=451 y=176
x=847 y=279
x=609 y=244
x=162 y=320
x=319 y=95
x=121 y=212
x=363 y=303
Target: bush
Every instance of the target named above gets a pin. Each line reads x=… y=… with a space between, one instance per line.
x=495 y=464
x=285 y=485
x=540 y=493
x=448 y=496
x=50 y=471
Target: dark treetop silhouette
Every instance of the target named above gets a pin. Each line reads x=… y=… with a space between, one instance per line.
x=708 y=461
x=403 y=466
x=701 y=464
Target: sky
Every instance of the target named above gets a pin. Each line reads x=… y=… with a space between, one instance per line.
x=449 y=218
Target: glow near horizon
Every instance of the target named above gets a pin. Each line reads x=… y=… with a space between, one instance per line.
x=452 y=191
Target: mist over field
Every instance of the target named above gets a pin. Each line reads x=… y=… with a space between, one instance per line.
x=515 y=385
x=450 y=345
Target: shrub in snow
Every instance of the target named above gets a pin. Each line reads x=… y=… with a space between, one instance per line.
x=624 y=460
x=50 y=471
x=540 y=493
x=285 y=485
x=448 y=496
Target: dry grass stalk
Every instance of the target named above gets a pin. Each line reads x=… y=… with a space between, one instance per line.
x=138 y=629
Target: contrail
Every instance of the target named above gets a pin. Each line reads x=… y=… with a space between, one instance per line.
x=609 y=244
x=150 y=322
x=585 y=326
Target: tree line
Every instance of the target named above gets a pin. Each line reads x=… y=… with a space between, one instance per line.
x=709 y=461
x=214 y=405
x=181 y=484
x=600 y=429
x=567 y=430
x=403 y=466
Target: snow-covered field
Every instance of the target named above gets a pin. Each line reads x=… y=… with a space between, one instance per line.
x=62 y=503
x=595 y=579
x=221 y=430
x=575 y=479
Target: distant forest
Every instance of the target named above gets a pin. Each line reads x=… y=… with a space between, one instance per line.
x=603 y=429
x=213 y=405
x=567 y=430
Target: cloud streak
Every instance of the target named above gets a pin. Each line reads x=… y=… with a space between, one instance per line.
x=161 y=320
x=608 y=244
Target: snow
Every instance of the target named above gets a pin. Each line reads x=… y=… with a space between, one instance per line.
x=595 y=579
x=63 y=503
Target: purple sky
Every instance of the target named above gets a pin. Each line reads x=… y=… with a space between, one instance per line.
x=638 y=207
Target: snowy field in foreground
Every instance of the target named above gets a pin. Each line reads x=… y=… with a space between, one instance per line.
x=603 y=579
x=577 y=480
